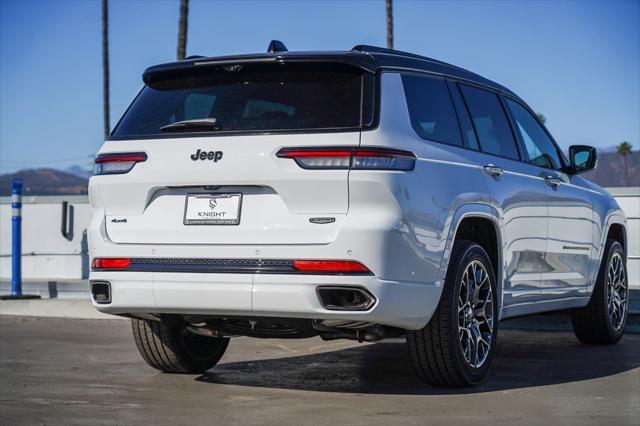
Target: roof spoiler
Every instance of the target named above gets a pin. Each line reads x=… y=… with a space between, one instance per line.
x=276 y=52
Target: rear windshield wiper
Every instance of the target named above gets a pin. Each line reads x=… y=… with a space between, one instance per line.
x=191 y=125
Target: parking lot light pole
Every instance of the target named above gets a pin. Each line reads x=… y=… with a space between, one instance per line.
x=16 y=243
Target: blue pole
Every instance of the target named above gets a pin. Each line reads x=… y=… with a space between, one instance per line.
x=16 y=237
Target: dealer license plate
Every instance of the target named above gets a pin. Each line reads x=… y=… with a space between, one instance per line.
x=212 y=209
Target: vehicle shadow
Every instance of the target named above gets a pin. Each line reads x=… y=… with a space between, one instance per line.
x=523 y=359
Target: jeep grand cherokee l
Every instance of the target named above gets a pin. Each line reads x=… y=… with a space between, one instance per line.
x=359 y=194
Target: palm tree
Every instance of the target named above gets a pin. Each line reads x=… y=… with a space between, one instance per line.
x=390 y=24
x=182 y=29
x=541 y=118
x=624 y=149
x=105 y=68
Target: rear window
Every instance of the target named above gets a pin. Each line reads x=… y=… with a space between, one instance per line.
x=253 y=98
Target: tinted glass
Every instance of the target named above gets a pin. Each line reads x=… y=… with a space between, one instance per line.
x=431 y=110
x=265 y=97
x=540 y=149
x=468 y=134
x=490 y=122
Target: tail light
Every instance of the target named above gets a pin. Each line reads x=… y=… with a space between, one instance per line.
x=350 y=158
x=117 y=163
x=113 y=263
x=330 y=266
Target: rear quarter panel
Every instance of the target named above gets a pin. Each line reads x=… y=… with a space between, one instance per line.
x=445 y=179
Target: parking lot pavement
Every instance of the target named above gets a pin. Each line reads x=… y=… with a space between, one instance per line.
x=88 y=372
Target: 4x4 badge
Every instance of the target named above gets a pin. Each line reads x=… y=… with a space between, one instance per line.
x=207 y=155
x=322 y=220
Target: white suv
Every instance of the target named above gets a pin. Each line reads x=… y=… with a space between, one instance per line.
x=362 y=194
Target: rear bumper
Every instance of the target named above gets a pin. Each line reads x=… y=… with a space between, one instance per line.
x=406 y=305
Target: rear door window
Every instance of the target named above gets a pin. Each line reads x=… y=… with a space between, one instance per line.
x=431 y=109
x=541 y=150
x=253 y=98
x=490 y=122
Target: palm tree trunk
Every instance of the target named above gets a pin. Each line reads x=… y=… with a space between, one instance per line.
x=626 y=170
x=182 y=29
x=105 y=68
x=390 y=24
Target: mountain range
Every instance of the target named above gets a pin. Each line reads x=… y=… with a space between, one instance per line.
x=45 y=181
x=73 y=180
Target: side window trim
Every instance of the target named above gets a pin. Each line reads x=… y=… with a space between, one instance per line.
x=462 y=114
x=563 y=159
x=522 y=150
x=455 y=112
x=511 y=129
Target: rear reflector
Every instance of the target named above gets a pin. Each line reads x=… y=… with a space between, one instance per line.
x=116 y=263
x=369 y=158
x=117 y=163
x=229 y=266
x=335 y=266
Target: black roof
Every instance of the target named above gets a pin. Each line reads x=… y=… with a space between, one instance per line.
x=368 y=58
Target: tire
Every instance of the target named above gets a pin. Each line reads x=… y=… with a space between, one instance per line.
x=595 y=323
x=438 y=351
x=169 y=347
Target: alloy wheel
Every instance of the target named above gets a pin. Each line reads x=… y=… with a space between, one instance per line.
x=616 y=291
x=475 y=314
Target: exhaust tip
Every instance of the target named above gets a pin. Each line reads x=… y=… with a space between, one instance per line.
x=345 y=298
x=101 y=292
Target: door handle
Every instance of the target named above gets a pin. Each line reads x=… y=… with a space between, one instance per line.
x=493 y=170
x=553 y=181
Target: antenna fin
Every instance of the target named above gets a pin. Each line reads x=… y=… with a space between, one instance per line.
x=276 y=46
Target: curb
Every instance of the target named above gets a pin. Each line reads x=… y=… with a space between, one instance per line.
x=53 y=308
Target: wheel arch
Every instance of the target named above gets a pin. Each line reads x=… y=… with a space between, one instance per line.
x=478 y=222
x=617 y=231
x=615 y=228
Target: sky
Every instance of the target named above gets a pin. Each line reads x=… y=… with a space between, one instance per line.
x=577 y=62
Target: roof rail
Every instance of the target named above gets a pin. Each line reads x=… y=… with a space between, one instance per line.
x=376 y=49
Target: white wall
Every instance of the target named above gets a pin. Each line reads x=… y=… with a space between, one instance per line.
x=46 y=254
x=629 y=200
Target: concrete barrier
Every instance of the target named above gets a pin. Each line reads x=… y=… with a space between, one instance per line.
x=629 y=200
x=51 y=255
x=46 y=253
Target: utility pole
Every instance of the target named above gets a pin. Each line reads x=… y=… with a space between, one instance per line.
x=182 y=29
x=105 y=68
x=390 y=24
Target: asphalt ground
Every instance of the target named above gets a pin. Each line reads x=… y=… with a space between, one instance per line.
x=88 y=372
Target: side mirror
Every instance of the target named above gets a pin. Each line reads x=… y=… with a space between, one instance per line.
x=583 y=158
